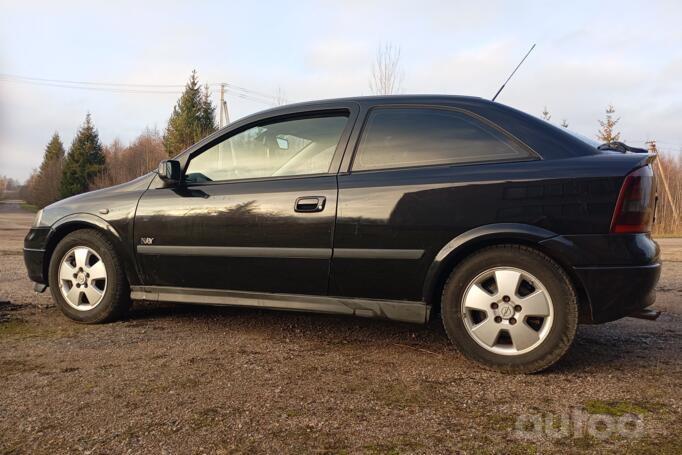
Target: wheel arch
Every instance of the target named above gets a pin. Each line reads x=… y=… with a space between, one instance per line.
x=79 y=221
x=473 y=240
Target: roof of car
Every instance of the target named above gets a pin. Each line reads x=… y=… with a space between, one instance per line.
x=384 y=99
x=408 y=99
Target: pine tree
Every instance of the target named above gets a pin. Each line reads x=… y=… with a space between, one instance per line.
x=45 y=185
x=606 y=132
x=545 y=114
x=84 y=162
x=193 y=118
x=207 y=115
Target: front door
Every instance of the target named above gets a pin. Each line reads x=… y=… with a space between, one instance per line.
x=255 y=212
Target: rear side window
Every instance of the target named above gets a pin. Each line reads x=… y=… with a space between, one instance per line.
x=395 y=138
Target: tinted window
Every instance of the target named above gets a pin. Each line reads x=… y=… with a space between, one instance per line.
x=294 y=147
x=420 y=137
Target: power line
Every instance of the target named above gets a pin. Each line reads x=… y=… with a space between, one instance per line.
x=118 y=87
x=62 y=81
x=97 y=89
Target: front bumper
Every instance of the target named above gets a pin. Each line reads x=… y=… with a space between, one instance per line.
x=35 y=247
x=34 y=260
x=617 y=273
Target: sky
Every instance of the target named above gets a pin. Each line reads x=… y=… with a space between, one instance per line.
x=588 y=55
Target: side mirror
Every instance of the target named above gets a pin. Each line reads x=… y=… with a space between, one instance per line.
x=169 y=171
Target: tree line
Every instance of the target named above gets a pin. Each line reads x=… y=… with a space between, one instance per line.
x=90 y=165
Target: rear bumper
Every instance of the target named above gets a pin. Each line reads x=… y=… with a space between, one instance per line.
x=617 y=273
x=617 y=292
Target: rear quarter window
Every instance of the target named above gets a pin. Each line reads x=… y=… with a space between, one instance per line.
x=406 y=137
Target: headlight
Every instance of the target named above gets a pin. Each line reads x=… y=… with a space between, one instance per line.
x=38 y=218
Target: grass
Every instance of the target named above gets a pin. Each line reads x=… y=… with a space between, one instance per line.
x=29 y=207
x=400 y=445
x=670 y=444
x=15 y=328
x=19 y=329
x=500 y=422
x=618 y=408
x=11 y=366
x=402 y=395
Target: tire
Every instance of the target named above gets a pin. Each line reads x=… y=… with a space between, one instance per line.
x=490 y=327
x=77 y=257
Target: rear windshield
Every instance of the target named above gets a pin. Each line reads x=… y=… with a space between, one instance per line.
x=587 y=140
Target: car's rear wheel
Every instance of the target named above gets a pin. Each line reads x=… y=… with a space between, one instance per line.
x=86 y=278
x=510 y=308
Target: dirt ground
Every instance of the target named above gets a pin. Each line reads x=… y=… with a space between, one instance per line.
x=179 y=379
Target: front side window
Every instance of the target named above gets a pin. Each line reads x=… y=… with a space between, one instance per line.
x=287 y=148
x=397 y=137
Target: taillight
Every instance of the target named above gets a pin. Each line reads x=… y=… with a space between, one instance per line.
x=635 y=206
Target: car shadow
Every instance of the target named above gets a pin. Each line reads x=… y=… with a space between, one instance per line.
x=628 y=343
x=625 y=344
x=314 y=326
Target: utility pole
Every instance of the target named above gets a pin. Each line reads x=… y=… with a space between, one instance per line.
x=224 y=116
x=653 y=149
x=222 y=99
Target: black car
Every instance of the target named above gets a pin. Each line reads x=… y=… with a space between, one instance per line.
x=400 y=207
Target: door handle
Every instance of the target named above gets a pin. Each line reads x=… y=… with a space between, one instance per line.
x=310 y=204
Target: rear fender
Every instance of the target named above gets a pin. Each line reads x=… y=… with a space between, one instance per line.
x=472 y=240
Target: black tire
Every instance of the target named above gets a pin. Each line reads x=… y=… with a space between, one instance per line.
x=565 y=317
x=116 y=300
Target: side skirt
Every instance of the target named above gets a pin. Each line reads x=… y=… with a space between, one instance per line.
x=415 y=312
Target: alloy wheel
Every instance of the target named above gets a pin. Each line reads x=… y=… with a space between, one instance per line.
x=82 y=278
x=507 y=311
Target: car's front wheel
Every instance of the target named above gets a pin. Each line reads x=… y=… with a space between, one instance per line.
x=86 y=278
x=510 y=308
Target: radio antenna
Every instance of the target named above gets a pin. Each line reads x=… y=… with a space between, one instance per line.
x=513 y=72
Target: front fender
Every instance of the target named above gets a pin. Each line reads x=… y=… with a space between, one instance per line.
x=471 y=240
x=75 y=221
x=83 y=219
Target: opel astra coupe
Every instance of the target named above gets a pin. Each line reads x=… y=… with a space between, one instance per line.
x=512 y=230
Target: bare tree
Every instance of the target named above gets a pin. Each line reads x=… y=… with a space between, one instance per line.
x=387 y=76
x=606 y=133
x=126 y=163
x=43 y=186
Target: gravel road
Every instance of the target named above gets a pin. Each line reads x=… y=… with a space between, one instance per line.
x=179 y=379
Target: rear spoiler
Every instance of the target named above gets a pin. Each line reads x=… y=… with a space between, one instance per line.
x=621 y=147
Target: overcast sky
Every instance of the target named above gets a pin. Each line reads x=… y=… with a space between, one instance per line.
x=625 y=53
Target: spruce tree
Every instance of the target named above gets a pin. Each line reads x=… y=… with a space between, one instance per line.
x=45 y=185
x=606 y=133
x=84 y=162
x=193 y=118
x=53 y=151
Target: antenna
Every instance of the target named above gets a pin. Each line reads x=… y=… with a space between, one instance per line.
x=513 y=72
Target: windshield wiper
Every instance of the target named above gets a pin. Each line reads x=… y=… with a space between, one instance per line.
x=620 y=147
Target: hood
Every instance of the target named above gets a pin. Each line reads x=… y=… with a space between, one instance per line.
x=120 y=196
